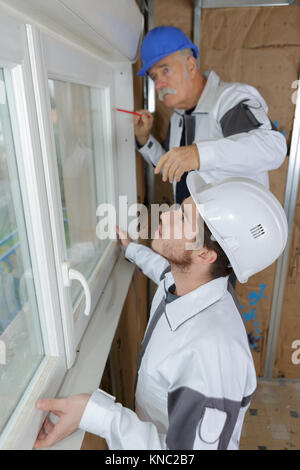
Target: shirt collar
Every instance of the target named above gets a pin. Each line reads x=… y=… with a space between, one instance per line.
x=193 y=303
x=207 y=97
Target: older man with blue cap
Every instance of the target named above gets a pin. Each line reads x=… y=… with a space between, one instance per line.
x=219 y=129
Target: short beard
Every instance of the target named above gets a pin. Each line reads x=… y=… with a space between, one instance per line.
x=166 y=91
x=180 y=262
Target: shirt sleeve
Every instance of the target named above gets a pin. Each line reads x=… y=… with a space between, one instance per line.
x=250 y=144
x=152 y=151
x=119 y=426
x=152 y=264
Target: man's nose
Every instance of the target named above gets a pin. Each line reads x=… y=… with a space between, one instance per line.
x=160 y=83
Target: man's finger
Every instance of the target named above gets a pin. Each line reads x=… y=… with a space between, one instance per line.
x=41 y=436
x=178 y=175
x=172 y=170
x=161 y=163
x=166 y=167
x=145 y=117
x=56 y=434
x=51 y=404
x=121 y=233
x=170 y=163
x=48 y=425
x=43 y=433
x=136 y=120
x=142 y=119
x=46 y=440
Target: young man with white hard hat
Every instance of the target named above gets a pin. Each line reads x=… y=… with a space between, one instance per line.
x=219 y=129
x=195 y=374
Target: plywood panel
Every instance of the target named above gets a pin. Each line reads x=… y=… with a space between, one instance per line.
x=93 y=442
x=247 y=45
x=123 y=351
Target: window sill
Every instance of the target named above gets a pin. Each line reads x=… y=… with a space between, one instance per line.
x=85 y=375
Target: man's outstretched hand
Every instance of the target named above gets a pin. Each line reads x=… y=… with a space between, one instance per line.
x=123 y=237
x=177 y=161
x=69 y=410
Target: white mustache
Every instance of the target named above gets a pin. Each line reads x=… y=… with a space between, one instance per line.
x=166 y=91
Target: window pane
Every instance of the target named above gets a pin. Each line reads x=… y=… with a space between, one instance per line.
x=78 y=115
x=21 y=344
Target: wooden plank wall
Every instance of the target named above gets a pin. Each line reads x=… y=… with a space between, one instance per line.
x=259 y=46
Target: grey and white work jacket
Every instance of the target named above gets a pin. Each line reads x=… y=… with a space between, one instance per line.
x=232 y=130
x=196 y=376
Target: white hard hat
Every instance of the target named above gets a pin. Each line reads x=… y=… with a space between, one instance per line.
x=246 y=220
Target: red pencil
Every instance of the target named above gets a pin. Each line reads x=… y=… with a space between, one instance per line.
x=130 y=112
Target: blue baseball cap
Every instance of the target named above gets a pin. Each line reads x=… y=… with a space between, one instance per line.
x=161 y=42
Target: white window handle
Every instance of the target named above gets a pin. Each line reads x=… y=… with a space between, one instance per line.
x=68 y=275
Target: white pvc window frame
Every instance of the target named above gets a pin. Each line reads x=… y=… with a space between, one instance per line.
x=20 y=431
x=54 y=59
x=22 y=49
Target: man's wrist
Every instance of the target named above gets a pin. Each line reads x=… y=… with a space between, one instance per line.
x=97 y=412
x=208 y=157
x=141 y=142
x=130 y=251
x=138 y=146
x=197 y=157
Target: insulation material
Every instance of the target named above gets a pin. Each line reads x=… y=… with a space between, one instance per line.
x=259 y=46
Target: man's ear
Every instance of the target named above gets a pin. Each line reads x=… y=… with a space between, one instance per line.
x=191 y=64
x=205 y=256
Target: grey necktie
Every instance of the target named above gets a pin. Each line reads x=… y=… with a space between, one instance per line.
x=187 y=138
